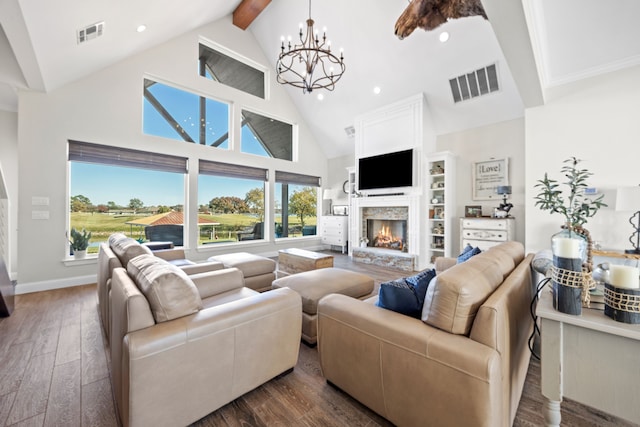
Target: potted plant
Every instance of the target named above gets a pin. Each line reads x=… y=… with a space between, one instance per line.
x=79 y=242
x=571 y=247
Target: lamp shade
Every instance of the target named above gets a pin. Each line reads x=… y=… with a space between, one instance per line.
x=503 y=189
x=628 y=199
x=327 y=194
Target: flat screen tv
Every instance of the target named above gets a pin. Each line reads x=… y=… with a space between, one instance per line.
x=390 y=170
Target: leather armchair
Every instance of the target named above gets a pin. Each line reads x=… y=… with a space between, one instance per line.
x=174 y=372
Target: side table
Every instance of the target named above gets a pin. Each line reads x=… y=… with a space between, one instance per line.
x=294 y=260
x=591 y=359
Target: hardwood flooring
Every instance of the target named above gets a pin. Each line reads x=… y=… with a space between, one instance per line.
x=54 y=371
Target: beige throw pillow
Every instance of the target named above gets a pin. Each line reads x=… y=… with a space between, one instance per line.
x=170 y=292
x=126 y=249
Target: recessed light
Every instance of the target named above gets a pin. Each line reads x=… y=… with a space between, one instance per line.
x=320 y=97
x=376 y=90
x=444 y=36
x=141 y=28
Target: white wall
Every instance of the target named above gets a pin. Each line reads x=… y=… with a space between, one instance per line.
x=9 y=168
x=106 y=108
x=500 y=140
x=596 y=120
x=337 y=175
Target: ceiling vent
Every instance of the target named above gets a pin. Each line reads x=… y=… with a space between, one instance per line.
x=90 y=32
x=476 y=83
x=351 y=131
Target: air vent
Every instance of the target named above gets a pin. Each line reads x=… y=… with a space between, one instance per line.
x=351 y=131
x=476 y=83
x=90 y=32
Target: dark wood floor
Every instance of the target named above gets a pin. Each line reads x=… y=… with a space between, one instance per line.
x=54 y=371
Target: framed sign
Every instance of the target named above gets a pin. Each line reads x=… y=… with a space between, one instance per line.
x=487 y=176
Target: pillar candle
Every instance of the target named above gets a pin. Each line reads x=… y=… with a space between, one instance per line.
x=567 y=248
x=624 y=276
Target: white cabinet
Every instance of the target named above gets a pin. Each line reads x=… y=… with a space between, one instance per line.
x=485 y=232
x=440 y=194
x=335 y=231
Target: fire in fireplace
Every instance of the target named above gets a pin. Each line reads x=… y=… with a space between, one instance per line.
x=387 y=234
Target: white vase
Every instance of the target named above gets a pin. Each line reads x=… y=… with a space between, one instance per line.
x=79 y=254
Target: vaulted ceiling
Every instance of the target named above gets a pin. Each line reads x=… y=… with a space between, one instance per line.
x=538 y=46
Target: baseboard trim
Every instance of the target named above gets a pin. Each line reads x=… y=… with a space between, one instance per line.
x=47 y=285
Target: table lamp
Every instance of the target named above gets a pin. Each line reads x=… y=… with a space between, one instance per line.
x=504 y=191
x=628 y=200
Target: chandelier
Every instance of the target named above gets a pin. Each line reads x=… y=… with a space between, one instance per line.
x=311 y=64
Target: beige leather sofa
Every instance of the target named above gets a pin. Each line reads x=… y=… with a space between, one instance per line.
x=463 y=364
x=183 y=346
x=117 y=253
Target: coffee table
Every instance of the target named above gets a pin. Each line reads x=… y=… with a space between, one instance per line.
x=294 y=260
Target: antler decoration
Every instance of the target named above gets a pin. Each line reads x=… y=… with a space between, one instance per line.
x=430 y=14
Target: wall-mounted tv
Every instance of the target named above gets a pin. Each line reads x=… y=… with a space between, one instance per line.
x=390 y=170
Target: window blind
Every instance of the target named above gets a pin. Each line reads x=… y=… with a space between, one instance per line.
x=104 y=154
x=208 y=167
x=297 y=179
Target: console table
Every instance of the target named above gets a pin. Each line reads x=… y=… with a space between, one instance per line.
x=591 y=359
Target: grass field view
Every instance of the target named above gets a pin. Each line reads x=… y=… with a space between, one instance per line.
x=102 y=225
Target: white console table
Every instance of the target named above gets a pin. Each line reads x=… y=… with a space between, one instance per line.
x=591 y=359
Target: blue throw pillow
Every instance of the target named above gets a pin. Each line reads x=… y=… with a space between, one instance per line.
x=406 y=295
x=465 y=255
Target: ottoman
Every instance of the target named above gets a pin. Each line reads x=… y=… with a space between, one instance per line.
x=258 y=271
x=315 y=284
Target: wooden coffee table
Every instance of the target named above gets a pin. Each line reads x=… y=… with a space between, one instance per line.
x=292 y=261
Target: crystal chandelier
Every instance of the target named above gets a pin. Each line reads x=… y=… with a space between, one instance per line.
x=311 y=64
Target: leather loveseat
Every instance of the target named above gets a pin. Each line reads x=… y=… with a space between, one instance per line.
x=119 y=250
x=183 y=346
x=463 y=364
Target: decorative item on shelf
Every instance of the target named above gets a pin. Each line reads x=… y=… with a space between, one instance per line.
x=437 y=170
x=504 y=191
x=79 y=242
x=473 y=211
x=571 y=247
x=364 y=242
x=622 y=294
x=310 y=64
x=438 y=229
x=628 y=200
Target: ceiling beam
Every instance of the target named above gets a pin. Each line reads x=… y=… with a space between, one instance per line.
x=247 y=11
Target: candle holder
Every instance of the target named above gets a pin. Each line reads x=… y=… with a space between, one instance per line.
x=569 y=252
x=622 y=304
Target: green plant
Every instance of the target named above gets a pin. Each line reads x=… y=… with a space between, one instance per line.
x=79 y=239
x=577 y=208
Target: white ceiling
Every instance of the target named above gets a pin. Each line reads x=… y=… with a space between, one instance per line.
x=560 y=41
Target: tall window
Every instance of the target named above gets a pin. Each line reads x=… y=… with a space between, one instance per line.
x=231 y=201
x=184 y=116
x=116 y=189
x=296 y=204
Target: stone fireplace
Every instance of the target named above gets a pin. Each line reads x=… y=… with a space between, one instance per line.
x=385 y=227
x=384 y=231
